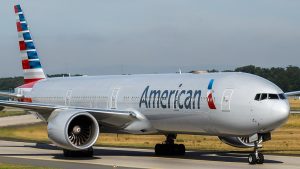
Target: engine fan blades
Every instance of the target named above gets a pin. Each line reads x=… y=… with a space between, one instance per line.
x=245 y=139
x=80 y=134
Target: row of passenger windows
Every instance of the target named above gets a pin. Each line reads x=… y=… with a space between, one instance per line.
x=126 y=98
x=85 y=98
x=271 y=96
x=72 y=97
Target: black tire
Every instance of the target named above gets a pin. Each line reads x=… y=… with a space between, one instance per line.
x=169 y=149
x=260 y=159
x=67 y=153
x=181 y=149
x=252 y=159
x=158 y=149
x=78 y=154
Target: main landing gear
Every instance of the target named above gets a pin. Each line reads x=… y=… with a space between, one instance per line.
x=169 y=148
x=79 y=154
x=256 y=157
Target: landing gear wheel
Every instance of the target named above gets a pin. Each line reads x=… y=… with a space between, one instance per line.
x=260 y=159
x=158 y=149
x=252 y=159
x=83 y=153
x=169 y=148
x=256 y=157
x=181 y=149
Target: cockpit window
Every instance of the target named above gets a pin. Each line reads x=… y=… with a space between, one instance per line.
x=269 y=96
x=257 y=97
x=264 y=96
x=282 y=96
x=273 y=96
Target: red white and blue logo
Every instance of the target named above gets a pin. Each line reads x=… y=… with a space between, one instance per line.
x=30 y=60
x=210 y=98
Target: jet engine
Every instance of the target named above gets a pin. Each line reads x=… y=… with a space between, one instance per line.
x=73 y=129
x=240 y=142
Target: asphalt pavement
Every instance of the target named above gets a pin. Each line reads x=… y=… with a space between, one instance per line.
x=109 y=157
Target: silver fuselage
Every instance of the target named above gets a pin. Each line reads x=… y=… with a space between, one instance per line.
x=175 y=103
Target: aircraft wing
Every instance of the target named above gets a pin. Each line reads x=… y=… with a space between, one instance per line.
x=115 y=118
x=294 y=93
x=9 y=95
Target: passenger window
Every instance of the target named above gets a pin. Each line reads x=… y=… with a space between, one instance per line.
x=257 y=96
x=273 y=96
x=264 y=96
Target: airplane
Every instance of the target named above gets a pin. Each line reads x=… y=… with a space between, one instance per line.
x=240 y=108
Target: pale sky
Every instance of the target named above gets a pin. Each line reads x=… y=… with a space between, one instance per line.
x=97 y=37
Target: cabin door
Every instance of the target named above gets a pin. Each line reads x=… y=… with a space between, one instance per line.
x=68 y=98
x=114 y=98
x=226 y=98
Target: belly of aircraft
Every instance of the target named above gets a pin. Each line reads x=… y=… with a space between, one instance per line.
x=180 y=121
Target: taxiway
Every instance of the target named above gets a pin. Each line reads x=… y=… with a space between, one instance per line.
x=108 y=157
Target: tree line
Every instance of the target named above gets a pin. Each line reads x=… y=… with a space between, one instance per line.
x=288 y=79
x=9 y=83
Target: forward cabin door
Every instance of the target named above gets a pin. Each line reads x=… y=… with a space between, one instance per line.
x=114 y=98
x=226 y=99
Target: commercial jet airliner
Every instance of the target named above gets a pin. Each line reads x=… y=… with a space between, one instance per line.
x=239 y=108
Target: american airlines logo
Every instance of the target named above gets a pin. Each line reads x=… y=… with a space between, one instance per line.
x=210 y=100
x=178 y=99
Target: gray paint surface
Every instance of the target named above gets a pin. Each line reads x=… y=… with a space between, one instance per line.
x=245 y=116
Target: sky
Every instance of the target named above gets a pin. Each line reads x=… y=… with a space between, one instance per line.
x=99 y=37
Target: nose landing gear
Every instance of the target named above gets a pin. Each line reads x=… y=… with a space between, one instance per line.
x=169 y=148
x=256 y=157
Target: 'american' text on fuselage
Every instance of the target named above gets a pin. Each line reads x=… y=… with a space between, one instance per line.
x=182 y=99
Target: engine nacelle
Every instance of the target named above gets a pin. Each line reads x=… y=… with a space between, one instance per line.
x=73 y=129
x=240 y=142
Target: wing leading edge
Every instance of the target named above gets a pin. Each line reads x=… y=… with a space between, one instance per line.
x=115 y=118
x=294 y=93
x=10 y=95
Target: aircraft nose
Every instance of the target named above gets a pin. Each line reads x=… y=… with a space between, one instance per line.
x=280 y=113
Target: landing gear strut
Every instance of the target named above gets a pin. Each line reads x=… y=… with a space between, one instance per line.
x=169 y=148
x=256 y=157
x=83 y=153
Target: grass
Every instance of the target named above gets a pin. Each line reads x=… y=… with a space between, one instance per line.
x=14 y=166
x=11 y=112
x=295 y=104
x=285 y=140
